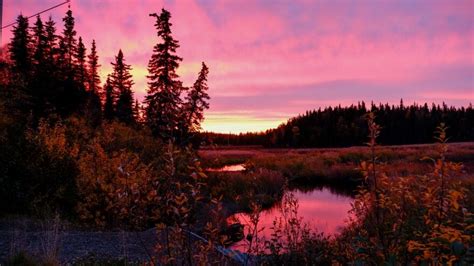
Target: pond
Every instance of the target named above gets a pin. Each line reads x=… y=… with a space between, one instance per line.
x=322 y=209
x=228 y=168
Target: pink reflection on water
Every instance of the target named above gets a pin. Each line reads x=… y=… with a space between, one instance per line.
x=228 y=168
x=321 y=209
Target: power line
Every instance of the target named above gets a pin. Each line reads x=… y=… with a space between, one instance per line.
x=41 y=12
x=1 y=23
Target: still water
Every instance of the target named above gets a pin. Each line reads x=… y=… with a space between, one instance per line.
x=321 y=209
x=228 y=168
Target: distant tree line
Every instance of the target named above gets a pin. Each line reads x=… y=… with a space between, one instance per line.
x=346 y=126
x=48 y=74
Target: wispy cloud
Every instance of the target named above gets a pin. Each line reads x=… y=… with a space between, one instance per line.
x=284 y=57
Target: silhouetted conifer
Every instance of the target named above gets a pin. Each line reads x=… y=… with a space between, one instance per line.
x=51 y=41
x=94 y=105
x=137 y=111
x=72 y=97
x=20 y=47
x=68 y=42
x=93 y=62
x=42 y=81
x=122 y=82
x=197 y=100
x=40 y=45
x=82 y=76
x=163 y=102
x=109 y=101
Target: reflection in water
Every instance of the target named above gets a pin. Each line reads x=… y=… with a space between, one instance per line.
x=228 y=168
x=321 y=209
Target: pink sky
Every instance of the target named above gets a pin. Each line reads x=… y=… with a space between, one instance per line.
x=271 y=60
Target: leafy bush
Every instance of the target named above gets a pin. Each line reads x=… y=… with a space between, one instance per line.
x=413 y=218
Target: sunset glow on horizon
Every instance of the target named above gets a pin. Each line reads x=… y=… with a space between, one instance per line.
x=272 y=60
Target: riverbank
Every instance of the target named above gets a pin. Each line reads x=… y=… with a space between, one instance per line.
x=335 y=166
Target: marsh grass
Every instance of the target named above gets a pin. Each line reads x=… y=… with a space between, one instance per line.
x=241 y=189
x=312 y=170
x=423 y=216
x=292 y=242
x=340 y=167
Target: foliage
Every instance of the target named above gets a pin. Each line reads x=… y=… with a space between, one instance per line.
x=421 y=218
x=304 y=170
x=242 y=189
x=414 y=218
x=38 y=171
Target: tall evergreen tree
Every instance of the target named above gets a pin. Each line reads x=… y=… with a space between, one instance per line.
x=68 y=42
x=163 y=100
x=136 y=111
x=109 y=100
x=197 y=101
x=81 y=64
x=42 y=81
x=93 y=62
x=17 y=90
x=72 y=95
x=92 y=83
x=20 y=52
x=40 y=44
x=51 y=40
x=122 y=82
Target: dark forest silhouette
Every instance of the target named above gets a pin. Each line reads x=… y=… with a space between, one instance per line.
x=45 y=74
x=53 y=108
x=346 y=126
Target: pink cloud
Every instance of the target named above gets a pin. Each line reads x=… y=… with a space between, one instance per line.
x=273 y=49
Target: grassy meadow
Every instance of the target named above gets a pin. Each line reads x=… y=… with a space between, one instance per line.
x=404 y=171
x=338 y=166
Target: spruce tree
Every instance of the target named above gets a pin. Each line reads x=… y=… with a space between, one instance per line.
x=122 y=82
x=109 y=100
x=197 y=101
x=94 y=105
x=68 y=42
x=136 y=111
x=163 y=102
x=41 y=85
x=81 y=63
x=40 y=44
x=51 y=41
x=93 y=62
x=20 y=52
x=17 y=90
x=72 y=95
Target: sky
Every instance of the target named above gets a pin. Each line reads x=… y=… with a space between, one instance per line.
x=270 y=60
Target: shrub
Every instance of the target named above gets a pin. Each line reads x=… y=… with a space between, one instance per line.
x=413 y=218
